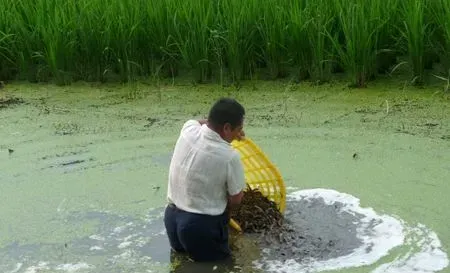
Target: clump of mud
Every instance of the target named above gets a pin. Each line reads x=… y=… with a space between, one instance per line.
x=308 y=229
x=8 y=101
x=257 y=213
x=264 y=226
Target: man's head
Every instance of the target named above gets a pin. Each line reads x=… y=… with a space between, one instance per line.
x=226 y=117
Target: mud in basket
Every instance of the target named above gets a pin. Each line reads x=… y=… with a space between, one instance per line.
x=260 y=174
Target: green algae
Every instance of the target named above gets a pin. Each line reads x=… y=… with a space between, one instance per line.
x=93 y=148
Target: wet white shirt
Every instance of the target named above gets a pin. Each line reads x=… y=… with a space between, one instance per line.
x=204 y=169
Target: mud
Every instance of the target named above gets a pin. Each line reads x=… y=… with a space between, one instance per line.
x=312 y=229
x=257 y=213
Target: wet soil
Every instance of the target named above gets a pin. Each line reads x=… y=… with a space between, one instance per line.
x=312 y=229
x=257 y=213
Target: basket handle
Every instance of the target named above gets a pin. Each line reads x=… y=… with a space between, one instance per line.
x=235 y=225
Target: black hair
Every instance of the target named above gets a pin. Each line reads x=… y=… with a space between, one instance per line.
x=226 y=110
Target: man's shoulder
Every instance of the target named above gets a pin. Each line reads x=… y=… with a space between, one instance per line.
x=190 y=123
x=231 y=154
x=223 y=151
x=234 y=154
x=190 y=128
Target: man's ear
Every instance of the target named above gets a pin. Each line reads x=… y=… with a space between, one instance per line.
x=227 y=127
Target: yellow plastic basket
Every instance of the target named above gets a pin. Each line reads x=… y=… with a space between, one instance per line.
x=261 y=174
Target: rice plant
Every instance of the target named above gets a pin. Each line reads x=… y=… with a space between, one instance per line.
x=6 y=55
x=125 y=18
x=414 y=33
x=56 y=28
x=389 y=50
x=158 y=26
x=95 y=57
x=320 y=15
x=298 y=46
x=441 y=11
x=273 y=29
x=7 y=44
x=192 y=24
x=101 y=40
x=16 y=39
x=237 y=20
x=360 y=25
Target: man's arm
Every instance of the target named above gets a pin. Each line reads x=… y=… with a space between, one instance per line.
x=235 y=181
x=236 y=199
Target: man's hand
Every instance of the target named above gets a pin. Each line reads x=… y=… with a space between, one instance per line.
x=241 y=135
x=202 y=121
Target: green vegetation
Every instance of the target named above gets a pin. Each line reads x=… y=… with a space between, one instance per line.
x=227 y=41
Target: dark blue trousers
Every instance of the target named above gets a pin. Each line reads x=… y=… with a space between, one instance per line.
x=202 y=237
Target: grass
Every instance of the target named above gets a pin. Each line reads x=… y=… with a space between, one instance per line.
x=224 y=41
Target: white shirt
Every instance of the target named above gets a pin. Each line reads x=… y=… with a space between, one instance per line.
x=204 y=169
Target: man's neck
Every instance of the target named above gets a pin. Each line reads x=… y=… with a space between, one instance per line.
x=212 y=128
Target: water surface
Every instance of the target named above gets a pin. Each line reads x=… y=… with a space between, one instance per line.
x=84 y=181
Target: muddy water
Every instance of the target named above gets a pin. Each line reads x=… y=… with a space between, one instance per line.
x=83 y=177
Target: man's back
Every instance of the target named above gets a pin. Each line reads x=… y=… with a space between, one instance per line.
x=204 y=168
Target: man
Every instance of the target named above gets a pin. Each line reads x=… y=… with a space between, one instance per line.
x=206 y=177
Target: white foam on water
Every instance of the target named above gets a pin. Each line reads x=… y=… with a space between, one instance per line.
x=37 y=268
x=18 y=267
x=378 y=233
x=141 y=241
x=130 y=257
x=70 y=268
x=118 y=230
x=73 y=267
x=161 y=233
x=430 y=258
x=124 y=244
x=97 y=237
x=96 y=248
